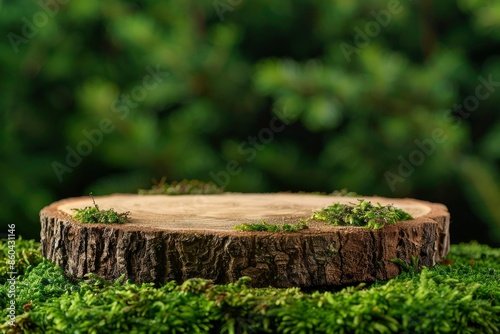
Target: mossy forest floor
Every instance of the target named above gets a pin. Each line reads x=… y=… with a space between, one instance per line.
x=462 y=295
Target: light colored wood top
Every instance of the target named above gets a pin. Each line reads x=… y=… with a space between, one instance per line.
x=223 y=211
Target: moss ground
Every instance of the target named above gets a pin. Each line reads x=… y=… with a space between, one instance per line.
x=462 y=295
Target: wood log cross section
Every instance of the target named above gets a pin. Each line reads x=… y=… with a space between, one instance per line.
x=187 y=236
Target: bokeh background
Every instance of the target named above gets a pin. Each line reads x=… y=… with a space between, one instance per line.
x=197 y=89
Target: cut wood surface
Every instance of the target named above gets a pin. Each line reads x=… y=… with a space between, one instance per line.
x=187 y=236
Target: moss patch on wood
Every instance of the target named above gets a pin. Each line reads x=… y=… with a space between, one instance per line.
x=265 y=227
x=184 y=187
x=93 y=215
x=460 y=295
x=363 y=214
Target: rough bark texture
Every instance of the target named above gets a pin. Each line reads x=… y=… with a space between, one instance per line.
x=169 y=241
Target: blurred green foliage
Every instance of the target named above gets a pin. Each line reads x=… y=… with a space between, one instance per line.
x=254 y=96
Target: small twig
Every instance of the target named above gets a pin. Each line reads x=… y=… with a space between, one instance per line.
x=96 y=206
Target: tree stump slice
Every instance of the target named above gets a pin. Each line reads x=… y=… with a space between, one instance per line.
x=187 y=236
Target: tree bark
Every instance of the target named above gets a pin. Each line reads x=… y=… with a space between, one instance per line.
x=187 y=236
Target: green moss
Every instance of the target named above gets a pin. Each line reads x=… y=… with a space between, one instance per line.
x=26 y=255
x=410 y=268
x=475 y=255
x=462 y=295
x=363 y=214
x=37 y=285
x=92 y=215
x=184 y=187
x=265 y=227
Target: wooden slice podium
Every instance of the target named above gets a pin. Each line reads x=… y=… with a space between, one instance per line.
x=187 y=236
